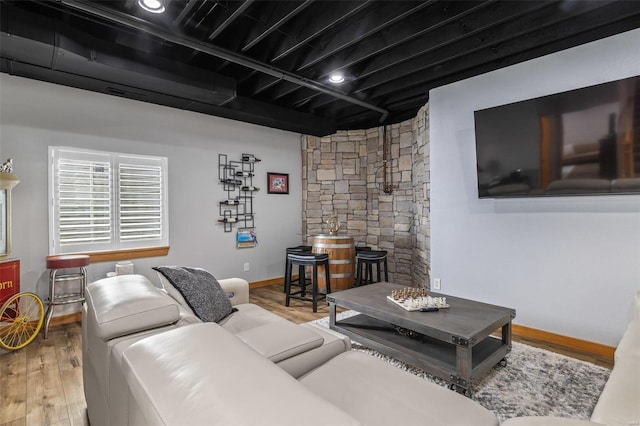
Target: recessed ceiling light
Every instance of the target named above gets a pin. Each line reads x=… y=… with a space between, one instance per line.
x=336 y=78
x=153 y=6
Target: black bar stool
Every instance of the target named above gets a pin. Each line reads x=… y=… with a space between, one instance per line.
x=287 y=269
x=365 y=261
x=358 y=250
x=303 y=260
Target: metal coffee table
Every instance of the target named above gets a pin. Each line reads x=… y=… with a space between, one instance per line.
x=454 y=344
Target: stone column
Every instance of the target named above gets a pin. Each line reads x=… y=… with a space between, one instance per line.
x=343 y=175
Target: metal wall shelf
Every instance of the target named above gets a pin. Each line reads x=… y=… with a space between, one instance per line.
x=236 y=178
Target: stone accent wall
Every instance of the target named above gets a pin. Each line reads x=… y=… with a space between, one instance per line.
x=422 y=192
x=343 y=175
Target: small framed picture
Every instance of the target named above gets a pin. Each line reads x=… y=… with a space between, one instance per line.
x=277 y=183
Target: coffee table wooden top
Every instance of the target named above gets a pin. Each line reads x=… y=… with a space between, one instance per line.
x=464 y=318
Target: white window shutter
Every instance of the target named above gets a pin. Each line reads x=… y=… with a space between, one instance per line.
x=140 y=202
x=84 y=204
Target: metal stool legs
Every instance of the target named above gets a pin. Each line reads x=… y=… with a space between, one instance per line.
x=54 y=264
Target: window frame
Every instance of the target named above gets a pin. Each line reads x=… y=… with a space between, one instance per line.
x=112 y=248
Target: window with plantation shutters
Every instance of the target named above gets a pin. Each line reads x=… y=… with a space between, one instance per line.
x=140 y=201
x=102 y=201
x=84 y=201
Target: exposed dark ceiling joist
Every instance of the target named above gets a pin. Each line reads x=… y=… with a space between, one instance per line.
x=277 y=55
x=314 y=26
x=372 y=23
x=382 y=43
x=228 y=17
x=276 y=18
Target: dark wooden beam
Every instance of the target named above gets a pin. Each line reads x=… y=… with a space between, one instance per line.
x=416 y=26
x=213 y=5
x=227 y=17
x=279 y=16
x=325 y=17
x=222 y=21
x=184 y=12
x=374 y=21
x=499 y=22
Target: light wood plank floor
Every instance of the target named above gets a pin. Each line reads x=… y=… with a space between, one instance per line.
x=42 y=383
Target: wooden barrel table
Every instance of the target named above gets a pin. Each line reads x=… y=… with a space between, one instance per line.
x=342 y=255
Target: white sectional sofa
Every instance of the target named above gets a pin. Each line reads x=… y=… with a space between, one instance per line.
x=122 y=310
x=619 y=403
x=148 y=360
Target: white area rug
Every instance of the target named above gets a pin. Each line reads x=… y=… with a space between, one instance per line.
x=535 y=382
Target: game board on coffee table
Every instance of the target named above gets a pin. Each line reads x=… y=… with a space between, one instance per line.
x=416 y=299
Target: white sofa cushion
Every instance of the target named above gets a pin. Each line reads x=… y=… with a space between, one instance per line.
x=280 y=340
x=547 y=421
x=619 y=403
x=334 y=344
x=237 y=387
x=377 y=393
x=127 y=304
x=118 y=391
x=248 y=316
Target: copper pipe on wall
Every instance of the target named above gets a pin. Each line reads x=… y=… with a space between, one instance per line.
x=386 y=186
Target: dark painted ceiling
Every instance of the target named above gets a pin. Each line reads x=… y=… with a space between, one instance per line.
x=268 y=62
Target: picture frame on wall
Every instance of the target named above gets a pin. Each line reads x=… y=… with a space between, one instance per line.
x=277 y=183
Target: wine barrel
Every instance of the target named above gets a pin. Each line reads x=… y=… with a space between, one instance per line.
x=342 y=254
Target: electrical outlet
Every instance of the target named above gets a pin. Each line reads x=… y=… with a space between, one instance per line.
x=246 y=267
x=437 y=284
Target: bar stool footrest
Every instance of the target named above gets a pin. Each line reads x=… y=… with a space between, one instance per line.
x=65 y=299
x=321 y=296
x=69 y=277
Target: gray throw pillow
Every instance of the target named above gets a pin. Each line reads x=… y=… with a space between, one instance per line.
x=201 y=291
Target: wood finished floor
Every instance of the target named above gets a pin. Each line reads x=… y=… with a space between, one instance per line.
x=42 y=383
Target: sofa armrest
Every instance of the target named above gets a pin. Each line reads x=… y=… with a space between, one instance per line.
x=237 y=289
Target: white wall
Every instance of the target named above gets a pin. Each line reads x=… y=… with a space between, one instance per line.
x=34 y=115
x=568 y=265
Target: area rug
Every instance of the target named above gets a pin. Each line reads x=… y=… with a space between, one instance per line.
x=535 y=382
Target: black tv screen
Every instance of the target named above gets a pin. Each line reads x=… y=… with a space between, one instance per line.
x=581 y=142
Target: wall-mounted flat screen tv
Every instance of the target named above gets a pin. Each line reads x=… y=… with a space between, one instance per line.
x=581 y=142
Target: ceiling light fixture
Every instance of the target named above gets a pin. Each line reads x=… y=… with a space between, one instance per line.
x=336 y=78
x=153 y=6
